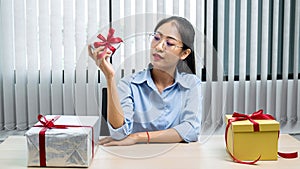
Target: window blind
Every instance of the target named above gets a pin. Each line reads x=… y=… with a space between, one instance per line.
x=247 y=54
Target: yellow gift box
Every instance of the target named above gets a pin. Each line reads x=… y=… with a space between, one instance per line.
x=246 y=144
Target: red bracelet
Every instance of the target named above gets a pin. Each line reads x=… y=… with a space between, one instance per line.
x=148 y=137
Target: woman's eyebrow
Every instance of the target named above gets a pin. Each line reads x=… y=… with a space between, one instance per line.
x=169 y=37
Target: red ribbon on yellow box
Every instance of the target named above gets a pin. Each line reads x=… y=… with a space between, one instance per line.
x=49 y=124
x=255 y=116
x=107 y=42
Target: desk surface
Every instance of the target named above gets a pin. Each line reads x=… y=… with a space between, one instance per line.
x=210 y=154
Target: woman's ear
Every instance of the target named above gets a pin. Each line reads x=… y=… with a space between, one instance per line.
x=185 y=54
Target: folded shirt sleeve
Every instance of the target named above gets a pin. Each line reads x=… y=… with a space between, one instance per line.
x=121 y=132
x=190 y=126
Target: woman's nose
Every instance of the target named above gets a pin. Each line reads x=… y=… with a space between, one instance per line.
x=160 y=45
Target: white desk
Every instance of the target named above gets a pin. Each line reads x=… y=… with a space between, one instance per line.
x=210 y=155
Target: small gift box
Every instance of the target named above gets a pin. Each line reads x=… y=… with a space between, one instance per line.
x=63 y=141
x=110 y=42
x=252 y=137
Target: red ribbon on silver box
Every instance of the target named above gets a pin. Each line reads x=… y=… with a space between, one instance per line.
x=49 y=124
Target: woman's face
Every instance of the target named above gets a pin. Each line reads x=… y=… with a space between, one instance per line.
x=166 y=47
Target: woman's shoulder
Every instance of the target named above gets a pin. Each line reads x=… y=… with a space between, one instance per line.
x=188 y=80
x=137 y=77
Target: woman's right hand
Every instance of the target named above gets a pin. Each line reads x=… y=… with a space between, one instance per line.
x=103 y=63
x=109 y=141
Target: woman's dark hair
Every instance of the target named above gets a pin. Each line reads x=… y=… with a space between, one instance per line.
x=187 y=33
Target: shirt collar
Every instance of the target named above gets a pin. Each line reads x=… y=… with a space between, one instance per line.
x=145 y=75
x=179 y=78
x=142 y=76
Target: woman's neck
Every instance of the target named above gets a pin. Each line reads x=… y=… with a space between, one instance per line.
x=162 y=79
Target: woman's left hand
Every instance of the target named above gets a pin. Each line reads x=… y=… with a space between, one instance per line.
x=109 y=141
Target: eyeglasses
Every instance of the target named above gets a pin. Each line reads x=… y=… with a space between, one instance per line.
x=169 y=42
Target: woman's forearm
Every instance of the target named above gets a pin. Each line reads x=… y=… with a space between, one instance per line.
x=115 y=113
x=162 y=136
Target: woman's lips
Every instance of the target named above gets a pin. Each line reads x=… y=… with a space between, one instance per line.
x=157 y=57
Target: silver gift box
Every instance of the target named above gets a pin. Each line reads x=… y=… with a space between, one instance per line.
x=70 y=147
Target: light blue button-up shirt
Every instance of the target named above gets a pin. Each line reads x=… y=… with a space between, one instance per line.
x=179 y=106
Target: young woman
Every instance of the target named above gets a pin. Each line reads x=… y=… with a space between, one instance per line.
x=161 y=103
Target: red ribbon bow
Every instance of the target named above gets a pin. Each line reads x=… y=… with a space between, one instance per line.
x=107 y=42
x=49 y=124
x=255 y=116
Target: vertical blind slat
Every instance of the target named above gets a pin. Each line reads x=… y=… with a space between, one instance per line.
x=81 y=60
x=149 y=25
x=253 y=55
x=294 y=115
x=220 y=35
x=297 y=41
x=292 y=84
x=117 y=24
x=181 y=9
x=169 y=8
x=20 y=67
x=243 y=40
x=1 y=71
x=220 y=59
x=242 y=55
x=200 y=46
x=286 y=40
x=161 y=9
x=92 y=68
x=296 y=59
x=92 y=25
x=262 y=96
x=285 y=60
x=69 y=55
x=192 y=10
x=253 y=40
x=209 y=62
x=8 y=65
x=231 y=55
x=264 y=40
x=128 y=30
x=289 y=102
x=231 y=39
x=200 y=38
x=187 y=8
x=57 y=56
x=176 y=7
x=45 y=58
x=140 y=36
x=209 y=40
x=275 y=30
x=33 y=58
